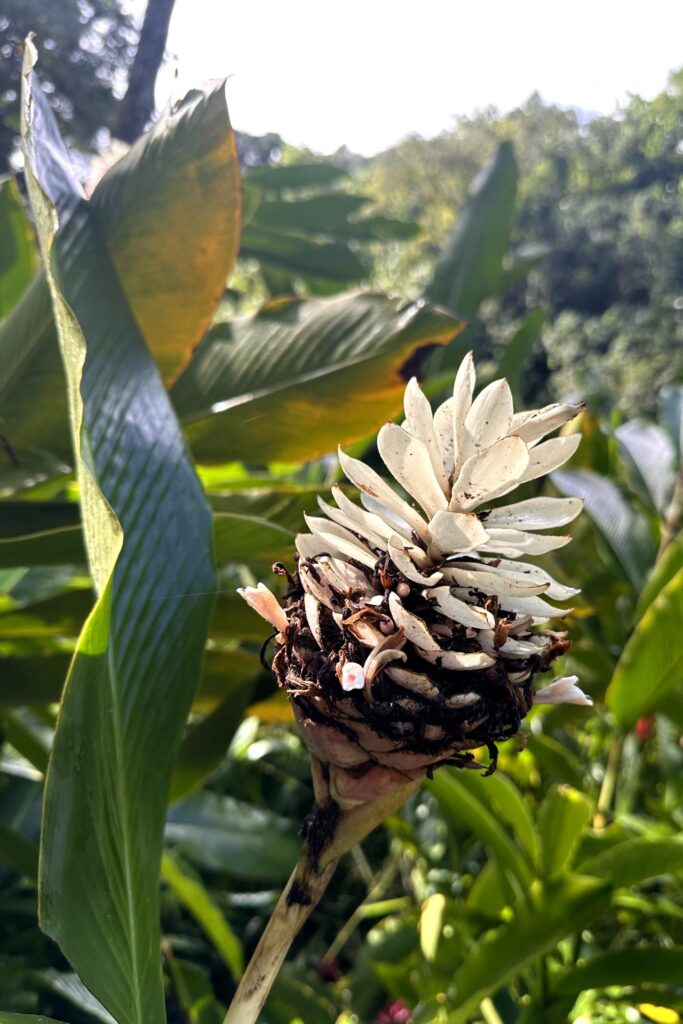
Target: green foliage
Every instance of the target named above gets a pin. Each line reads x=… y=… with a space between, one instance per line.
x=176 y=785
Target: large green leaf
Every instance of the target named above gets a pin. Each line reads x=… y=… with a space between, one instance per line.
x=651 y=664
x=518 y=349
x=650 y=454
x=148 y=537
x=296 y=176
x=168 y=216
x=470 y=267
x=300 y=376
x=625 y=532
x=545 y=914
x=18 y=258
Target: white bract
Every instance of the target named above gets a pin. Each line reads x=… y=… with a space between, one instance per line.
x=444 y=539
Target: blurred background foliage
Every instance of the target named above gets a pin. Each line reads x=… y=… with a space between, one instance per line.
x=548 y=892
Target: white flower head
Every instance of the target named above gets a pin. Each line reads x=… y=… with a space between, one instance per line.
x=264 y=601
x=562 y=691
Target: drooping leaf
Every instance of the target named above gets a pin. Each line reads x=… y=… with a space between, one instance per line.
x=550 y=910
x=198 y=902
x=671 y=417
x=168 y=214
x=470 y=267
x=650 y=454
x=622 y=528
x=651 y=663
x=299 y=376
x=18 y=257
x=137 y=664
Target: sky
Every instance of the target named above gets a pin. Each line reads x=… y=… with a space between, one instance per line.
x=367 y=73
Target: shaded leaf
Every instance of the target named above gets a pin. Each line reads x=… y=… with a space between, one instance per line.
x=299 y=376
x=669 y=562
x=625 y=532
x=651 y=663
x=18 y=257
x=518 y=349
x=295 y=176
x=223 y=834
x=650 y=454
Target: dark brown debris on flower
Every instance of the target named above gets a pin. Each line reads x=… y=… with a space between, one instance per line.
x=412 y=631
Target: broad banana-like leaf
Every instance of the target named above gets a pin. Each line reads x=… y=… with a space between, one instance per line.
x=301 y=375
x=148 y=539
x=471 y=265
x=168 y=215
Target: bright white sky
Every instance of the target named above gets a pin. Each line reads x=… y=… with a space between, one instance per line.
x=369 y=72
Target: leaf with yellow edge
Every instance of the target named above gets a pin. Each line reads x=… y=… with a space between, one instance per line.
x=301 y=375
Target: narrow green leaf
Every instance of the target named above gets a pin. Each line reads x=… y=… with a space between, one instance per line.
x=550 y=910
x=470 y=267
x=312 y=260
x=466 y=810
x=651 y=664
x=137 y=664
x=299 y=376
x=623 y=967
x=504 y=800
x=197 y=900
x=564 y=814
x=669 y=563
x=635 y=860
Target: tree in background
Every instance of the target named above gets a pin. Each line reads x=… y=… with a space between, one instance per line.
x=99 y=71
x=604 y=197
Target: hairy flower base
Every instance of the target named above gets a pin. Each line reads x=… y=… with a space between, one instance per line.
x=384 y=733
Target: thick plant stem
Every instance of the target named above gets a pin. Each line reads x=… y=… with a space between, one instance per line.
x=330 y=832
x=300 y=897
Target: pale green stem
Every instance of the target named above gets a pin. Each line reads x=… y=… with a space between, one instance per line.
x=300 y=897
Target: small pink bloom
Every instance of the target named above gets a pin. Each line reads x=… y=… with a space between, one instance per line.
x=353 y=676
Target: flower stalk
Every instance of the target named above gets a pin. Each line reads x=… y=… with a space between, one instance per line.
x=328 y=836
